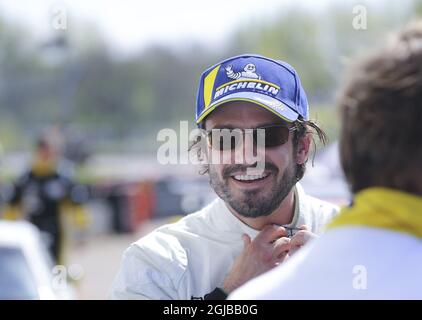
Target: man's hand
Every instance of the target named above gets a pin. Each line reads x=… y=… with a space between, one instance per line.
x=300 y=238
x=267 y=250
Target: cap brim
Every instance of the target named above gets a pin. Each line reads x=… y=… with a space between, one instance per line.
x=271 y=104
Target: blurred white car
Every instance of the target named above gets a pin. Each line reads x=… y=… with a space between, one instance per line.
x=26 y=269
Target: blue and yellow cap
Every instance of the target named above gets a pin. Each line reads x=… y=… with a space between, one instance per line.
x=272 y=84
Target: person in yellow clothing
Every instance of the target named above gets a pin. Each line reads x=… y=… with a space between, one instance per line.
x=373 y=249
x=43 y=193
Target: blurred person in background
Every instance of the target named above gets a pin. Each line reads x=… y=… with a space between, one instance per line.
x=373 y=249
x=45 y=192
x=259 y=219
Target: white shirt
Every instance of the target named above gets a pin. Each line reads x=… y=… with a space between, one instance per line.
x=190 y=258
x=352 y=262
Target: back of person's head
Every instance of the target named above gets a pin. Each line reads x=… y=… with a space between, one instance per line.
x=381 y=110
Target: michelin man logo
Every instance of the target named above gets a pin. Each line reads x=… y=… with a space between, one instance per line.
x=249 y=72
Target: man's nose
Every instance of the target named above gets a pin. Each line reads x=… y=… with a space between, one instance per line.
x=251 y=152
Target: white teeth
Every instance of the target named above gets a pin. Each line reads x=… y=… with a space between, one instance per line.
x=250 y=177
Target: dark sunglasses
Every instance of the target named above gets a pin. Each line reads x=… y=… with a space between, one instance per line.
x=229 y=139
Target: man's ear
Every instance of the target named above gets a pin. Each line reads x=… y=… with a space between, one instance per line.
x=303 y=147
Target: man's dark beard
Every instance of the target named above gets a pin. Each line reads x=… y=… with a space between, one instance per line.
x=254 y=204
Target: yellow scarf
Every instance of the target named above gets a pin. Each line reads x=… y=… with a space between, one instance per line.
x=383 y=208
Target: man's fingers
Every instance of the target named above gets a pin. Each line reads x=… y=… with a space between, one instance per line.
x=296 y=243
x=281 y=247
x=271 y=233
x=246 y=240
x=299 y=238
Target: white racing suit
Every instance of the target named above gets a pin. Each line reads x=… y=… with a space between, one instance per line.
x=190 y=258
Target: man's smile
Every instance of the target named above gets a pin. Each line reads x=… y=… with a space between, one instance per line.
x=242 y=180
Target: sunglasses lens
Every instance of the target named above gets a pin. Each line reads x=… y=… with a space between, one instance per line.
x=225 y=139
x=274 y=136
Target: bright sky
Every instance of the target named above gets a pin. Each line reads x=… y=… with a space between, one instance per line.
x=134 y=24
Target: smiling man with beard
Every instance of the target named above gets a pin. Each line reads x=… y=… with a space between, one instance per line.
x=262 y=215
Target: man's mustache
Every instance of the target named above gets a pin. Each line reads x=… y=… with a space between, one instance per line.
x=228 y=171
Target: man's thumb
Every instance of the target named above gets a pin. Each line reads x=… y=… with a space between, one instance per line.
x=246 y=240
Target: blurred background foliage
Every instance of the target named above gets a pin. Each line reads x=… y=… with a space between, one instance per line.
x=121 y=102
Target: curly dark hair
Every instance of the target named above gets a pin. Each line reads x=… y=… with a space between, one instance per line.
x=381 y=110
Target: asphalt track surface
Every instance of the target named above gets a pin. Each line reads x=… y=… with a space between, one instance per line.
x=100 y=258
